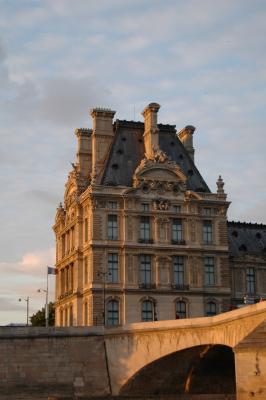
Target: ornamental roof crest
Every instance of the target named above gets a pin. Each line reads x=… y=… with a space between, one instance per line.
x=159 y=168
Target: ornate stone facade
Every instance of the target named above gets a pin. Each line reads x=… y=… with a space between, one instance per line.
x=140 y=237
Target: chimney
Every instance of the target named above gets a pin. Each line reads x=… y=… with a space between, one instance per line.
x=84 y=151
x=186 y=137
x=151 y=131
x=102 y=138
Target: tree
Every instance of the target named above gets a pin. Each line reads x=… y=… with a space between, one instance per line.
x=38 y=319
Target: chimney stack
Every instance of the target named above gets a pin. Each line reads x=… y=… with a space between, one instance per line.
x=102 y=138
x=84 y=151
x=151 y=131
x=186 y=137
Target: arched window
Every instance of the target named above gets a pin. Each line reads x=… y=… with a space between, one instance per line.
x=147 y=310
x=85 y=315
x=181 y=309
x=211 y=309
x=112 y=312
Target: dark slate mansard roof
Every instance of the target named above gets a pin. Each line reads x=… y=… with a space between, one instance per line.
x=128 y=150
x=246 y=238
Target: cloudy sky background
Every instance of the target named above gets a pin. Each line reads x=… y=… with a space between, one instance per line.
x=203 y=61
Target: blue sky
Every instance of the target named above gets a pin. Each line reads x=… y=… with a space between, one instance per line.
x=203 y=61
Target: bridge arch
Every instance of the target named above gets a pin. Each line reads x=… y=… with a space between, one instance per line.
x=205 y=369
x=138 y=345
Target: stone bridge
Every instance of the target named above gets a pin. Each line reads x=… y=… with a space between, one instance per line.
x=221 y=354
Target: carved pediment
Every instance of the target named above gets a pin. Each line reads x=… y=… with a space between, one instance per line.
x=160 y=174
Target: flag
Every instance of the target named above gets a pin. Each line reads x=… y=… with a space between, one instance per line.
x=51 y=271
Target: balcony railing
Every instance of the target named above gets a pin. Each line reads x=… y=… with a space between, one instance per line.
x=66 y=294
x=180 y=286
x=147 y=241
x=147 y=286
x=179 y=242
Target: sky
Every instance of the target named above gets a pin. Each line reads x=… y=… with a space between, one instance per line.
x=203 y=61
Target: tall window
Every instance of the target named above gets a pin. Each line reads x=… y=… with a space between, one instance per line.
x=85 y=316
x=178 y=269
x=113 y=312
x=209 y=270
x=177 y=209
x=112 y=205
x=71 y=315
x=62 y=275
x=181 y=309
x=85 y=270
x=61 y=317
x=145 y=269
x=86 y=229
x=207 y=232
x=250 y=280
x=145 y=228
x=112 y=267
x=112 y=227
x=211 y=309
x=207 y=211
x=66 y=317
x=147 y=307
x=63 y=245
x=145 y=207
x=177 y=230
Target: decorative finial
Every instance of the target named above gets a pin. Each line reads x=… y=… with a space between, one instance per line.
x=220 y=186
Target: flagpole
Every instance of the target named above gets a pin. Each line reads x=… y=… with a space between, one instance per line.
x=46 y=303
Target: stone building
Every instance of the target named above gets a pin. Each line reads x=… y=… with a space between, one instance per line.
x=140 y=236
x=247 y=260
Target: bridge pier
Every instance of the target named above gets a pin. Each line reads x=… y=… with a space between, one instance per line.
x=250 y=364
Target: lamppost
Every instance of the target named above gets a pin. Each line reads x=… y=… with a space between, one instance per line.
x=27 y=301
x=46 y=306
x=103 y=274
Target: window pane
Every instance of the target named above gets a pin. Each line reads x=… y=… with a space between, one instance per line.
x=207 y=232
x=112 y=227
x=86 y=270
x=86 y=229
x=147 y=311
x=250 y=278
x=177 y=230
x=180 y=310
x=145 y=269
x=112 y=205
x=177 y=209
x=145 y=228
x=112 y=312
x=209 y=270
x=211 y=309
x=145 y=207
x=113 y=267
x=85 y=314
x=178 y=269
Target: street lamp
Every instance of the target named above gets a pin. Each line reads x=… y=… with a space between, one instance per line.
x=46 y=306
x=104 y=274
x=27 y=301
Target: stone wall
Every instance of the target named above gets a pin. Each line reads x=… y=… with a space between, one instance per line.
x=36 y=363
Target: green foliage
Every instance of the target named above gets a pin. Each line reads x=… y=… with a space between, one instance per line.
x=38 y=319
